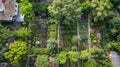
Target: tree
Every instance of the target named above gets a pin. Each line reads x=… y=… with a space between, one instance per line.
x=67 y=12
x=97 y=11
x=27 y=10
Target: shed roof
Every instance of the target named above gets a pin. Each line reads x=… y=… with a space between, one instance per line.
x=9 y=9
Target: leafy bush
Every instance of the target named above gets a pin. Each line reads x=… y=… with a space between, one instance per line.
x=73 y=56
x=52 y=44
x=16 y=52
x=42 y=61
x=91 y=64
x=75 y=39
x=23 y=33
x=108 y=64
x=61 y=58
x=2 y=51
x=84 y=55
x=114 y=28
x=74 y=48
x=6 y=34
x=116 y=46
x=27 y=10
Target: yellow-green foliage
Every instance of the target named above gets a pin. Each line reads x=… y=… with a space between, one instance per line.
x=42 y=61
x=26 y=9
x=100 y=9
x=23 y=33
x=16 y=52
x=52 y=31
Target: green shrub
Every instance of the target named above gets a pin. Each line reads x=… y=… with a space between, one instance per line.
x=16 y=52
x=73 y=56
x=61 y=58
x=91 y=64
x=75 y=40
x=3 y=49
x=66 y=48
x=6 y=35
x=23 y=33
x=84 y=55
x=52 y=44
x=108 y=64
x=42 y=61
x=74 y=48
x=116 y=46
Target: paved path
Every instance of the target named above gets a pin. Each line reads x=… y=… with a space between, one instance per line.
x=115 y=59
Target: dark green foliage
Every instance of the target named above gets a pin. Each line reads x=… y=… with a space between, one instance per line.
x=39 y=7
x=118 y=37
x=108 y=64
x=52 y=44
x=67 y=48
x=115 y=2
x=75 y=40
x=6 y=35
x=113 y=28
x=34 y=0
x=39 y=51
x=42 y=61
x=23 y=34
x=18 y=1
x=116 y=46
x=3 y=49
x=66 y=11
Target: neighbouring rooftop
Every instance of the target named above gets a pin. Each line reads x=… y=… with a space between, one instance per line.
x=10 y=11
x=7 y=9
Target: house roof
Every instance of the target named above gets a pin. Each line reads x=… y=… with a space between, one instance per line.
x=8 y=7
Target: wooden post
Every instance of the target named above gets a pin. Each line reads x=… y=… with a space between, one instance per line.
x=52 y=61
x=78 y=35
x=89 y=30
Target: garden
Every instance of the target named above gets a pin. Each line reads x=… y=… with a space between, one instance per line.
x=62 y=33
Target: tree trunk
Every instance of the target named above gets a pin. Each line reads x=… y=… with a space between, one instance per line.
x=89 y=29
x=78 y=35
x=58 y=37
x=58 y=34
